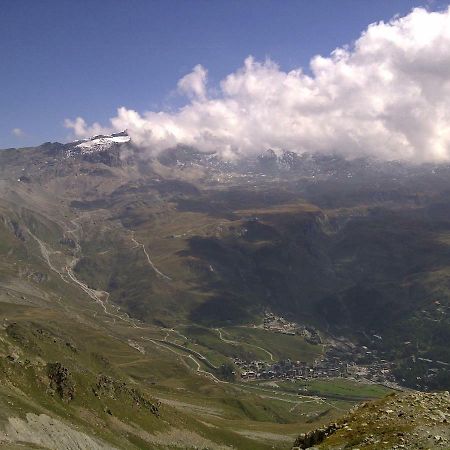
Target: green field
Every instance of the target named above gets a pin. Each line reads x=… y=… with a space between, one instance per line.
x=336 y=389
x=281 y=346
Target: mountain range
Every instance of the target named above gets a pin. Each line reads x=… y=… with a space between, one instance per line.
x=131 y=284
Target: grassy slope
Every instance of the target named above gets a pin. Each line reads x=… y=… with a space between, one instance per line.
x=237 y=414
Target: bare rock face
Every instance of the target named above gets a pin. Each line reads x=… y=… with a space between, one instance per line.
x=413 y=420
x=47 y=432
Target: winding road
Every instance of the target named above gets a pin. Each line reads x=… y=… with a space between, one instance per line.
x=68 y=276
x=150 y=262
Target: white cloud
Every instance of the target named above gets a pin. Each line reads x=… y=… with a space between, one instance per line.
x=388 y=95
x=81 y=129
x=194 y=84
x=17 y=132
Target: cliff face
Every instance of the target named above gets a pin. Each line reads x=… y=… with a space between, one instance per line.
x=400 y=421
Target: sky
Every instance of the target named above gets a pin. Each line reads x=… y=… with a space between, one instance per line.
x=215 y=73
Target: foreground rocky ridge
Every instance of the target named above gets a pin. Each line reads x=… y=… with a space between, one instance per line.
x=413 y=420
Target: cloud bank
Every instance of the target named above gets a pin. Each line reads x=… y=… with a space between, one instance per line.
x=388 y=95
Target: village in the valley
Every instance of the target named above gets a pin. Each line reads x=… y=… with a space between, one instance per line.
x=341 y=358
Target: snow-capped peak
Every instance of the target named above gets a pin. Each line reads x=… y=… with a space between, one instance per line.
x=96 y=144
x=99 y=143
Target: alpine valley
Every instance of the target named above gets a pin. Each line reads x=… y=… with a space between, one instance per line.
x=182 y=301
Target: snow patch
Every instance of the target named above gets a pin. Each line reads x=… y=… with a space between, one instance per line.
x=98 y=144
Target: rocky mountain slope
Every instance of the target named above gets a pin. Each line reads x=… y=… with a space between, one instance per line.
x=407 y=420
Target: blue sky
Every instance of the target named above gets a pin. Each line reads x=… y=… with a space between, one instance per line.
x=62 y=59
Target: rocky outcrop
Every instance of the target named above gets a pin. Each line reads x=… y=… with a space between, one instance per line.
x=61 y=381
x=413 y=420
x=308 y=440
x=107 y=386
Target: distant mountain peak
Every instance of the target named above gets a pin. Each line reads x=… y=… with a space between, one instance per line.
x=102 y=142
x=98 y=144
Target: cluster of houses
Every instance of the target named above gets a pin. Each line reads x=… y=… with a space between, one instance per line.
x=288 y=369
x=377 y=371
x=341 y=359
x=278 y=324
x=430 y=370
